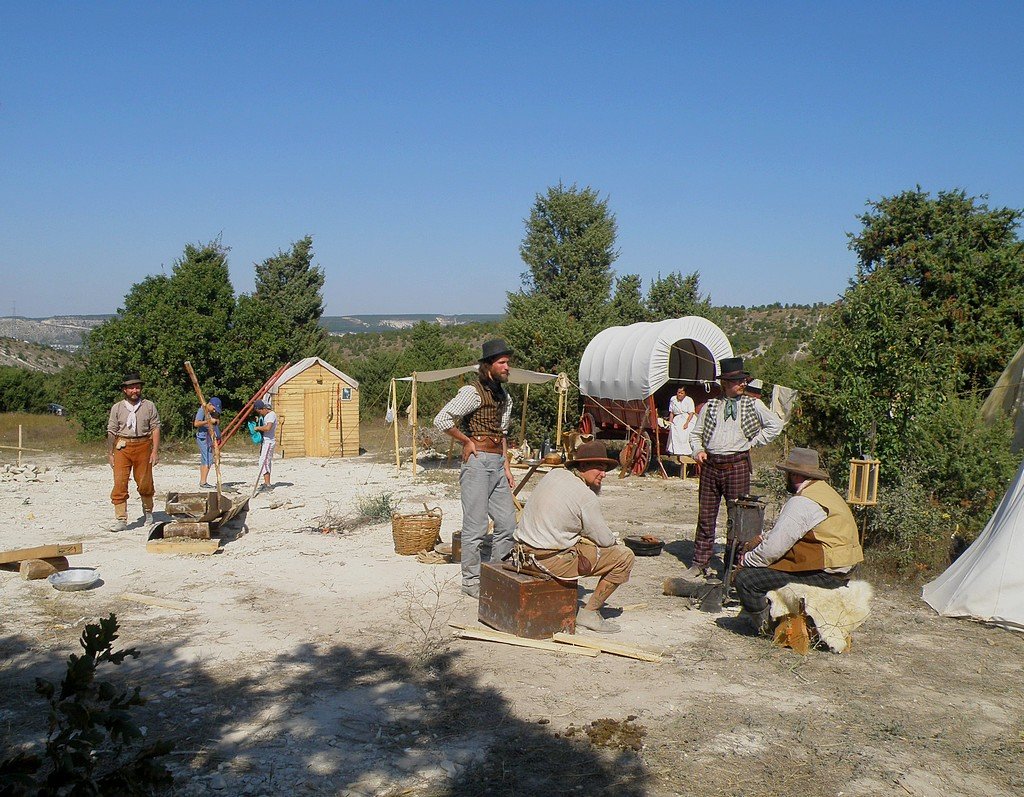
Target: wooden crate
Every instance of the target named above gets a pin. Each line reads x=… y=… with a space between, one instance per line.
x=525 y=605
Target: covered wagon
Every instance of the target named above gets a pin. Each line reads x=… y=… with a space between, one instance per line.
x=628 y=374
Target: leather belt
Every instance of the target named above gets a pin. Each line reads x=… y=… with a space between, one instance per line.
x=487 y=444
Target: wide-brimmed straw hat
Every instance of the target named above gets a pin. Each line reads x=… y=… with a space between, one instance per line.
x=731 y=368
x=131 y=378
x=804 y=462
x=493 y=349
x=592 y=455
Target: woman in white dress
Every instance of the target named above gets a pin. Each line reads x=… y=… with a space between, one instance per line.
x=680 y=415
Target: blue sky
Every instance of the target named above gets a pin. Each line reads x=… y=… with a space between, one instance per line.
x=740 y=140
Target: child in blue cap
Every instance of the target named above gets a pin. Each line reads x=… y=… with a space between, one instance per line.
x=212 y=409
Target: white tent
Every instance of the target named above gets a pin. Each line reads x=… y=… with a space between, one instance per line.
x=987 y=582
x=632 y=362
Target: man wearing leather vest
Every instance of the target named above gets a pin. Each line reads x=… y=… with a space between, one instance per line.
x=813 y=542
x=478 y=417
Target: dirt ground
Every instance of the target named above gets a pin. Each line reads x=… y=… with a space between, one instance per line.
x=323 y=663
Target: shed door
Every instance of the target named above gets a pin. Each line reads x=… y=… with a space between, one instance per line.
x=318 y=423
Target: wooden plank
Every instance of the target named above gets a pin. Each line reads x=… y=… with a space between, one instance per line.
x=616 y=648
x=152 y=600
x=488 y=635
x=41 y=552
x=183 y=545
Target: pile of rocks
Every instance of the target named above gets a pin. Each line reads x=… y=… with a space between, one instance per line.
x=27 y=473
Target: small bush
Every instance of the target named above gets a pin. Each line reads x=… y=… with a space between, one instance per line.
x=376 y=508
x=92 y=743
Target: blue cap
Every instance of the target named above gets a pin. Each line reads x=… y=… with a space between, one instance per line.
x=216 y=404
x=261 y=405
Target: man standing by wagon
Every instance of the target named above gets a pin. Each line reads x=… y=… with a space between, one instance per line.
x=133 y=445
x=725 y=431
x=478 y=417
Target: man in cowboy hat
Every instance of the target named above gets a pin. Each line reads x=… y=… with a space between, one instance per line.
x=478 y=417
x=563 y=534
x=813 y=542
x=133 y=445
x=725 y=431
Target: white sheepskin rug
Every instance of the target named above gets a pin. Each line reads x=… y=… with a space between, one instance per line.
x=836 y=613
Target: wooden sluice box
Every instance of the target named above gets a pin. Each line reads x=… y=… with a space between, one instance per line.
x=525 y=605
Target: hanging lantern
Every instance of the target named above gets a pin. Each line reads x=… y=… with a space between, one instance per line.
x=863 y=489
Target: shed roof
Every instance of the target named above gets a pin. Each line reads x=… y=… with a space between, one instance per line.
x=303 y=365
x=632 y=362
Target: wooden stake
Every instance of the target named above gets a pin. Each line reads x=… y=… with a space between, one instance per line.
x=522 y=423
x=415 y=426
x=616 y=648
x=489 y=635
x=19 y=445
x=394 y=423
x=561 y=413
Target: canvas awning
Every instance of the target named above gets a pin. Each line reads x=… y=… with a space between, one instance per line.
x=632 y=362
x=517 y=376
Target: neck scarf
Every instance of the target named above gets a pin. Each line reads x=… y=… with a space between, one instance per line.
x=730 y=409
x=132 y=423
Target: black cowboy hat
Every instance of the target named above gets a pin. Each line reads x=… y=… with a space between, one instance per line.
x=731 y=368
x=592 y=455
x=131 y=378
x=493 y=349
x=804 y=462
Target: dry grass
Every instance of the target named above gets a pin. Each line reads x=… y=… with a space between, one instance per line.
x=53 y=434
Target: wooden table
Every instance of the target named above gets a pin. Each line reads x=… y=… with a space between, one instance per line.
x=531 y=466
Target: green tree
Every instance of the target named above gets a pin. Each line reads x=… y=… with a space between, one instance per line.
x=675 y=296
x=22 y=390
x=292 y=285
x=627 y=305
x=935 y=310
x=165 y=321
x=569 y=248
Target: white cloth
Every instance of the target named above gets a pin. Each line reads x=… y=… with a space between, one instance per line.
x=561 y=509
x=682 y=419
x=131 y=424
x=783 y=399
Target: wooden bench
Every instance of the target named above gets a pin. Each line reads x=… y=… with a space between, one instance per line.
x=525 y=605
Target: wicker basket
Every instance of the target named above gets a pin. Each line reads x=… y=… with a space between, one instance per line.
x=416 y=532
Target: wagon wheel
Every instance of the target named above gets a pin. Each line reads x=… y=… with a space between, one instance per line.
x=586 y=425
x=642 y=452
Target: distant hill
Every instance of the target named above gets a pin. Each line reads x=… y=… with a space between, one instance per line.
x=347 y=324
x=64 y=332
x=32 y=356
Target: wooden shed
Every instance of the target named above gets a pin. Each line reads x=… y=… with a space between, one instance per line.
x=317 y=408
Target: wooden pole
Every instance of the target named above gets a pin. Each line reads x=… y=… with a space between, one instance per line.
x=415 y=426
x=209 y=422
x=657 y=435
x=522 y=425
x=561 y=412
x=19 y=445
x=394 y=422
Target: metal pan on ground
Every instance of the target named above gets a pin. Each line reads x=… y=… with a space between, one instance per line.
x=645 y=545
x=75 y=580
